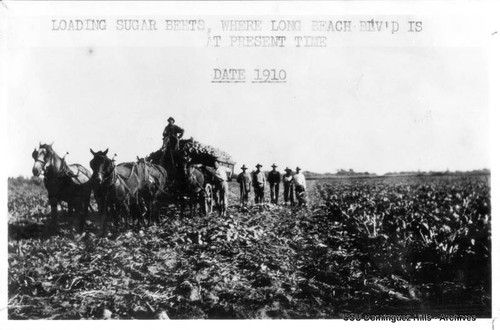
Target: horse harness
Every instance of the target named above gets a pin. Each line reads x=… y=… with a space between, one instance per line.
x=64 y=169
x=193 y=178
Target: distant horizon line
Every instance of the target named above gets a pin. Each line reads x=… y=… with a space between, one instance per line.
x=484 y=169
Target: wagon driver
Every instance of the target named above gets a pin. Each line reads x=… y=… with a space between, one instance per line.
x=172 y=135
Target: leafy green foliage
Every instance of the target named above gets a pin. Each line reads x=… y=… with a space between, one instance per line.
x=379 y=245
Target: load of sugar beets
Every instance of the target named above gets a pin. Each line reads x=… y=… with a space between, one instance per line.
x=196 y=153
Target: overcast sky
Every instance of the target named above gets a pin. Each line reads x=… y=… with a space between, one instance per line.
x=375 y=109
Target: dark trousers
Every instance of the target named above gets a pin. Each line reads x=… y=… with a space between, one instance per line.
x=259 y=194
x=288 y=194
x=243 y=195
x=300 y=193
x=275 y=192
x=171 y=142
x=221 y=198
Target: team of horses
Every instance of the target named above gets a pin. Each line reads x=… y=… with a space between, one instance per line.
x=130 y=191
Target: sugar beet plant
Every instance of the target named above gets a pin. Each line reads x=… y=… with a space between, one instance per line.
x=373 y=245
x=434 y=235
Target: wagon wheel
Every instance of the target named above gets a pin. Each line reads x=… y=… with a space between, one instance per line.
x=209 y=199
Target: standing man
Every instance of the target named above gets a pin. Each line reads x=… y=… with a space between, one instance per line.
x=274 y=179
x=245 y=180
x=288 y=185
x=299 y=181
x=259 y=182
x=221 y=187
x=172 y=135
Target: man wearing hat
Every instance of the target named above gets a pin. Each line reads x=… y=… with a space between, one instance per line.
x=299 y=181
x=274 y=179
x=259 y=182
x=288 y=185
x=245 y=180
x=221 y=191
x=172 y=135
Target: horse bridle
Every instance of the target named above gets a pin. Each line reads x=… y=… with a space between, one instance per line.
x=63 y=168
x=112 y=173
x=43 y=162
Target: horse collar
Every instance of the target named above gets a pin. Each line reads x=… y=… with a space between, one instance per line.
x=111 y=176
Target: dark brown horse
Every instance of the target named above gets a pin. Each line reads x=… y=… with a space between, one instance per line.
x=186 y=181
x=193 y=187
x=116 y=188
x=155 y=187
x=68 y=183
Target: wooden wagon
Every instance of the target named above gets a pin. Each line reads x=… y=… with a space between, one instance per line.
x=172 y=160
x=209 y=172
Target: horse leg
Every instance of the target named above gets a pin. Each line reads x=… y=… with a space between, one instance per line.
x=160 y=200
x=154 y=213
x=143 y=210
x=147 y=211
x=103 y=215
x=116 y=212
x=156 y=207
x=83 y=220
x=201 y=202
x=122 y=213
x=53 y=210
x=150 y=213
x=86 y=202
x=137 y=208
x=148 y=207
x=80 y=211
x=198 y=203
x=111 y=215
x=127 y=215
x=71 y=208
x=183 y=206
x=192 y=204
x=85 y=209
x=132 y=216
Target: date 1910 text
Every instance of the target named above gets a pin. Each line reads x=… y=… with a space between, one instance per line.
x=237 y=75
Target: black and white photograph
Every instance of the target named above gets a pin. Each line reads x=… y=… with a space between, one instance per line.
x=240 y=161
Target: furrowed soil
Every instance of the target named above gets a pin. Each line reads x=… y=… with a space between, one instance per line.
x=377 y=245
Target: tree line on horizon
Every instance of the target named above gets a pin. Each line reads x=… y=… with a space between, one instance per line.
x=31 y=180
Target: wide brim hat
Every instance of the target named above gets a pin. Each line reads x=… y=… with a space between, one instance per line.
x=171 y=118
x=274 y=165
x=288 y=169
x=298 y=168
x=244 y=167
x=258 y=165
